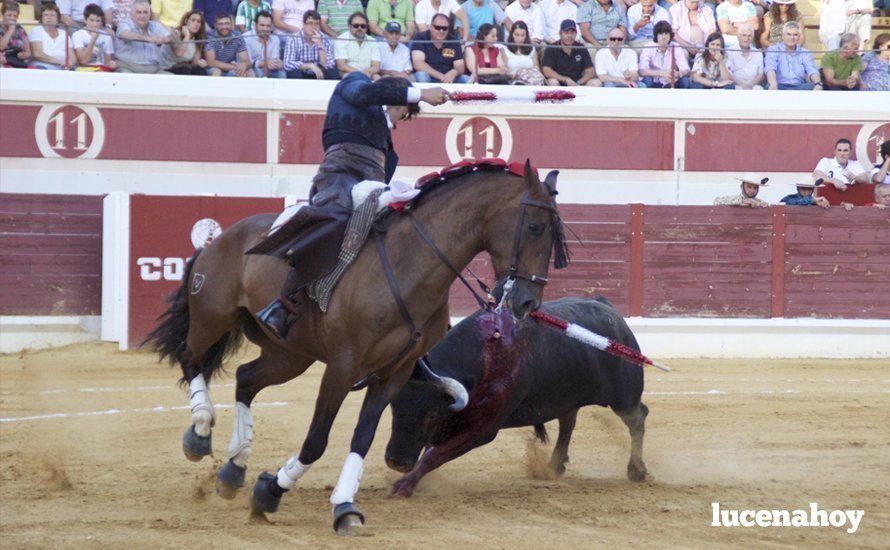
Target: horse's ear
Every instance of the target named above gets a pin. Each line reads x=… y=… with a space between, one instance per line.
x=550 y=181
x=530 y=179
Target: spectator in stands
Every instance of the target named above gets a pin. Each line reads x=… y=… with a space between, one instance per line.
x=692 y=24
x=832 y=22
x=522 y=60
x=881 y=172
x=212 y=9
x=876 y=65
x=641 y=20
x=709 y=69
x=264 y=47
x=139 y=40
x=169 y=12
x=839 y=170
x=806 y=195
x=426 y=9
x=14 y=40
x=356 y=51
x=441 y=60
x=731 y=15
x=485 y=11
x=93 y=46
x=485 y=61
x=789 y=66
x=50 y=46
x=381 y=12
x=746 y=64
x=616 y=66
x=245 y=15
x=841 y=69
x=555 y=12
x=335 y=15
x=77 y=7
x=64 y=12
x=750 y=186
x=569 y=64
x=859 y=19
x=184 y=56
x=311 y=54
x=780 y=12
x=882 y=195
x=664 y=61
x=597 y=17
x=287 y=15
x=531 y=14
x=226 y=53
x=120 y=11
x=395 y=57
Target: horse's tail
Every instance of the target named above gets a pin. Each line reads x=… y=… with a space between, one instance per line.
x=169 y=339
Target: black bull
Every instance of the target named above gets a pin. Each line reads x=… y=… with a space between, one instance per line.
x=556 y=376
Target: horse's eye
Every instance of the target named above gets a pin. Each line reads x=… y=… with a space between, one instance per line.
x=536 y=228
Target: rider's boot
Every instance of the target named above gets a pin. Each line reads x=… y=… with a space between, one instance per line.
x=277 y=316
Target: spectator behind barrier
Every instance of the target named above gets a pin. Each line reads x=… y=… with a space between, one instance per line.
x=616 y=66
x=226 y=53
x=881 y=172
x=381 y=12
x=658 y=57
x=522 y=60
x=529 y=13
x=876 y=71
x=841 y=69
x=832 y=22
x=440 y=60
x=93 y=46
x=395 y=57
x=485 y=11
x=287 y=15
x=50 y=45
x=806 y=195
x=356 y=51
x=335 y=15
x=184 y=56
x=120 y=11
x=264 y=47
x=780 y=12
x=554 y=13
x=426 y=9
x=64 y=12
x=731 y=15
x=169 y=12
x=78 y=6
x=750 y=186
x=310 y=53
x=487 y=62
x=138 y=39
x=641 y=20
x=839 y=170
x=859 y=19
x=569 y=64
x=213 y=9
x=245 y=15
x=709 y=70
x=597 y=17
x=14 y=40
x=745 y=65
x=789 y=66
x=882 y=195
x=692 y=24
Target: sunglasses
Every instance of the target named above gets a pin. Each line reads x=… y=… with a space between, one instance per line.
x=616 y=39
x=440 y=28
x=359 y=26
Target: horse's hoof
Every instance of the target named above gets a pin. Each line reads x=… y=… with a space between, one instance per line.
x=637 y=472
x=403 y=488
x=558 y=468
x=194 y=446
x=229 y=479
x=348 y=521
x=262 y=499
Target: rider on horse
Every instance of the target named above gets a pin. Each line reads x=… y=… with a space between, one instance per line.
x=358 y=146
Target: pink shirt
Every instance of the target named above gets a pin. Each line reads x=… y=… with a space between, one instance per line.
x=653 y=59
x=683 y=28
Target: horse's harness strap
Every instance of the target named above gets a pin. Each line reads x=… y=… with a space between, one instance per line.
x=517 y=240
x=394 y=288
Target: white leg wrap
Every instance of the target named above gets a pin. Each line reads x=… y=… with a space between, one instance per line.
x=242 y=435
x=291 y=472
x=203 y=415
x=349 y=480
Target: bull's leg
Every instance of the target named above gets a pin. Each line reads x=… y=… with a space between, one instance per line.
x=269 y=369
x=561 y=450
x=347 y=519
x=335 y=386
x=635 y=419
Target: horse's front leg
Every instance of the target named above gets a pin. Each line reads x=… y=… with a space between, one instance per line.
x=347 y=519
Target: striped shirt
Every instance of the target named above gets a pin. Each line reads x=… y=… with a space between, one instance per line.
x=226 y=50
x=300 y=50
x=336 y=13
x=246 y=13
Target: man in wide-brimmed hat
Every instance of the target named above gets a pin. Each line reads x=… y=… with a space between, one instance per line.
x=806 y=194
x=750 y=186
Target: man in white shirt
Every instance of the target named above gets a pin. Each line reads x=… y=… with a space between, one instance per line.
x=531 y=14
x=859 y=19
x=839 y=170
x=395 y=57
x=555 y=12
x=426 y=9
x=745 y=65
x=616 y=66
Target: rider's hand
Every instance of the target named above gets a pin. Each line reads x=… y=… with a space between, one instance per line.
x=434 y=96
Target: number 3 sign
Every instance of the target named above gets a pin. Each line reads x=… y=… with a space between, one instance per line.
x=69 y=131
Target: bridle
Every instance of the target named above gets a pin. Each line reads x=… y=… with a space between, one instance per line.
x=514 y=272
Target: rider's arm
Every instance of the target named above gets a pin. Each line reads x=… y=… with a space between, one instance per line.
x=361 y=92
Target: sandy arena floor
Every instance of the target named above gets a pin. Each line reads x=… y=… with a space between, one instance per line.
x=90 y=456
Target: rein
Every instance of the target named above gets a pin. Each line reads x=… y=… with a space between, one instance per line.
x=517 y=241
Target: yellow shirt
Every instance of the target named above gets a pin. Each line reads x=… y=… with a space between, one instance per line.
x=170 y=12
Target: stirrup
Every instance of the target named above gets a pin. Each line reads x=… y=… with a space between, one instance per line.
x=277 y=318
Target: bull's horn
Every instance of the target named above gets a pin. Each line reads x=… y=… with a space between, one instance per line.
x=450 y=386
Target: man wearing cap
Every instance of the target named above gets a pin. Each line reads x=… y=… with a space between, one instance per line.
x=806 y=195
x=569 y=64
x=395 y=57
x=839 y=170
x=748 y=197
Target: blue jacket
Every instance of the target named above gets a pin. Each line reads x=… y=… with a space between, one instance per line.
x=798 y=200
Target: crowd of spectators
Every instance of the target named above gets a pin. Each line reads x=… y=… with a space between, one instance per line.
x=613 y=43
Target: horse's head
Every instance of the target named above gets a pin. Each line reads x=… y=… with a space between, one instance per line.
x=530 y=230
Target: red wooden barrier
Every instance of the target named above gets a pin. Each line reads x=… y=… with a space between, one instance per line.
x=858 y=194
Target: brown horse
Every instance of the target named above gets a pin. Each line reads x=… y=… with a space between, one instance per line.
x=377 y=323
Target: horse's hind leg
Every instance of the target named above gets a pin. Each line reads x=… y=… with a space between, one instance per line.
x=271 y=368
x=635 y=420
x=561 y=451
